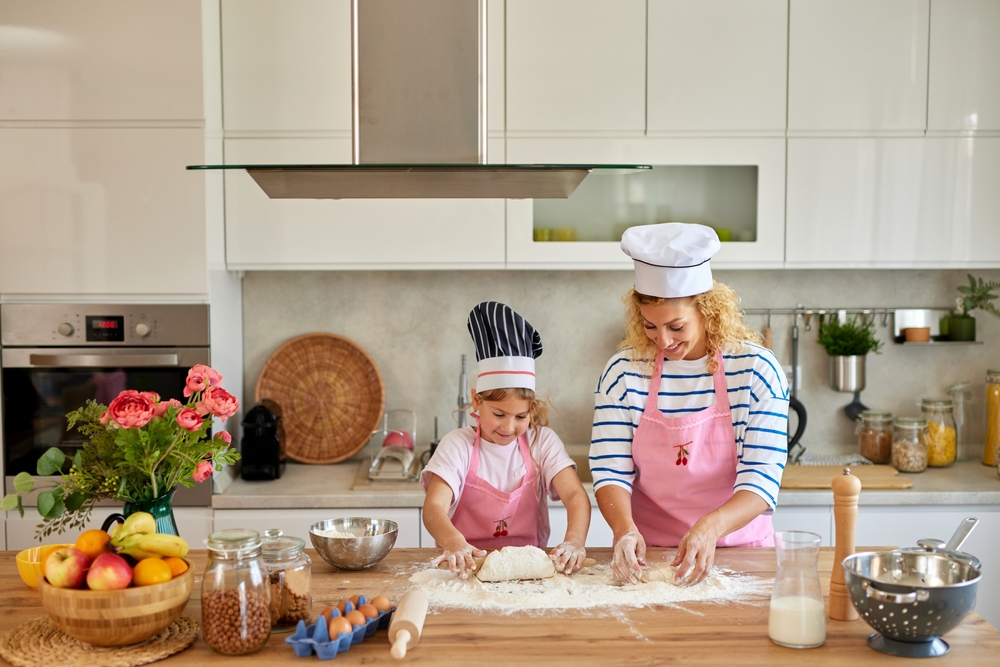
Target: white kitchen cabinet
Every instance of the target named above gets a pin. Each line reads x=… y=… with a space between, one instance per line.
x=599 y=535
x=857 y=65
x=296 y=522
x=893 y=203
x=817 y=520
x=964 y=71
x=102 y=212
x=717 y=65
x=576 y=66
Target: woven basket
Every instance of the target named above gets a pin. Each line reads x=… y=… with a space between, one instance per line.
x=331 y=396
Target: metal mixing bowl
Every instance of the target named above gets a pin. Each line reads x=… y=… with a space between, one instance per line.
x=372 y=541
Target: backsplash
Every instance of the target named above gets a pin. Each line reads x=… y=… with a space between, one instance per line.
x=412 y=323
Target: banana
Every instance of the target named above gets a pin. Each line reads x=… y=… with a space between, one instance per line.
x=156 y=545
x=138 y=523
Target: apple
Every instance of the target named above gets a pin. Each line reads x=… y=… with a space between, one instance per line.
x=66 y=567
x=109 y=572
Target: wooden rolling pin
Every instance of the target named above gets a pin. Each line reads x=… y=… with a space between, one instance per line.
x=407 y=622
x=443 y=565
x=846 y=488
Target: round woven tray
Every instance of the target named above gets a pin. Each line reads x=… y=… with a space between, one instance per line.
x=331 y=396
x=39 y=643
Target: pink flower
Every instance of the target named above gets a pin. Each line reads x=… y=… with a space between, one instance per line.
x=219 y=402
x=224 y=437
x=163 y=406
x=151 y=395
x=105 y=417
x=203 y=471
x=130 y=410
x=189 y=419
x=200 y=378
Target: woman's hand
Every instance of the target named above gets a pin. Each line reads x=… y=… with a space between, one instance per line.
x=568 y=557
x=629 y=558
x=460 y=558
x=695 y=555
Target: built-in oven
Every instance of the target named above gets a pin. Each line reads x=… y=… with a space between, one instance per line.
x=55 y=357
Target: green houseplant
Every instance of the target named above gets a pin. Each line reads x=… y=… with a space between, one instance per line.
x=977 y=294
x=848 y=343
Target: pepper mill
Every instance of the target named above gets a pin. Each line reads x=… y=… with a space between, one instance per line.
x=846 y=488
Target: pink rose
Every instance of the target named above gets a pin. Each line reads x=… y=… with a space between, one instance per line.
x=163 y=406
x=105 y=417
x=131 y=409
x=224 y=437
x=219 y=402
x=189 y=419
x=200 y=378
x=203 y=471
x=151 y=395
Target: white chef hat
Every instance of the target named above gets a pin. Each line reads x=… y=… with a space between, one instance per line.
x=506 y=347
x=671 y=258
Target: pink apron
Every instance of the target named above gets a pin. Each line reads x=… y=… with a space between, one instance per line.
x=685 y=468
x=489 y=518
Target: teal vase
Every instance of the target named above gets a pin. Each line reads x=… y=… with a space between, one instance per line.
x=162 y=509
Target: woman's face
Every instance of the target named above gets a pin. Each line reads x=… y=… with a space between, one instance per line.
x=677 y=328
x=502 y=422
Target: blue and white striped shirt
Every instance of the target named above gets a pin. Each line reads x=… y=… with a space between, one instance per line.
x=758 y=400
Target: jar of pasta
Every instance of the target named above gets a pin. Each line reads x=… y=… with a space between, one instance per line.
x=875 y=436
x=941 y=432
x=991 y=448
x=909 y=444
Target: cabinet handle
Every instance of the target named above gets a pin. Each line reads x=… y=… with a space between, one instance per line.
x=103 y=360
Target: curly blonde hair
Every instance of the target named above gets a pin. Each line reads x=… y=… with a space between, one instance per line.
x=538 y=416
x=720 y=313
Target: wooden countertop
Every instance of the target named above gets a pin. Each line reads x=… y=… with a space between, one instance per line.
x=696 y=634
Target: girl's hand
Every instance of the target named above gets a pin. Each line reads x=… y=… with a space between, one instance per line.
x=629 y=558
x=568 y=557
x=695 y=555
x=460 y=559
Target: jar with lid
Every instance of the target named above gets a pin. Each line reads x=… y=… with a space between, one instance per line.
x=235 y=595
x=991 y=447
x=909 y=444
x=289 y=572
x=875 y=436
x=961 y=399
x=942 y=436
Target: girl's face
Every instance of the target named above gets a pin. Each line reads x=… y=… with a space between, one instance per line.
x=502 y=422
x=677 y=328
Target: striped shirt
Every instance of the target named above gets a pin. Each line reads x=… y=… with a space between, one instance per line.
x=758 y=400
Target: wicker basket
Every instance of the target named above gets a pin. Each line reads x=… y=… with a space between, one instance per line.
x=331 y=396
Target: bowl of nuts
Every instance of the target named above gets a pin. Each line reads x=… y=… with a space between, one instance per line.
x=354 y=543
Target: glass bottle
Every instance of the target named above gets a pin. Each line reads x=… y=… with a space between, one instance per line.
x=235 y=594
x=875 y=436
x=961 y=399
x=797 y=618
x=909 y=444
x=942 y=435
x=289 y=572
x=991 y=447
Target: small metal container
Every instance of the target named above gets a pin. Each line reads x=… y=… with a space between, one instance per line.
x=371 y=540
x=847 y=373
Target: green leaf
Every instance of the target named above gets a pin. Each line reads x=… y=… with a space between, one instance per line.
x=23 y=483
x=51 y=461
x=47 y=503
x=78 y=461
x=20 y=507
x=75 y=501
x=9 y=502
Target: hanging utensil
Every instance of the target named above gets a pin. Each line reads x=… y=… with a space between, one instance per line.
x=768 y=334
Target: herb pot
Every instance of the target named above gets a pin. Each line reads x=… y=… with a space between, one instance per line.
x=961 y=328
x=847 y=373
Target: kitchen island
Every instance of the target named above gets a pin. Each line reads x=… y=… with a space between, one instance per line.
x=689 y=633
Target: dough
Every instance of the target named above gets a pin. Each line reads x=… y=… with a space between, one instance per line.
x=514 y=563
x=663 y=572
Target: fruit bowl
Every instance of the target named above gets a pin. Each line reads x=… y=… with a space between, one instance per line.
x=29 y=562
x=117 y=618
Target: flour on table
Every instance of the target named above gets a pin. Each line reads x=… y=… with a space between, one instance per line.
x=516 y=563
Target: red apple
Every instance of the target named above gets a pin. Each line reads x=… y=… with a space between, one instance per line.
x=66 y=567
x=109 y=572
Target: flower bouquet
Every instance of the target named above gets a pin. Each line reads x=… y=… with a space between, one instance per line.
x=137 y=449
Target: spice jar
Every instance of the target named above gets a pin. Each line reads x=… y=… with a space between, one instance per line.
x=235 y=594
x=942 y=436
x=289 y=573
x=991 y=448
x=875 y=436
x=909 y=446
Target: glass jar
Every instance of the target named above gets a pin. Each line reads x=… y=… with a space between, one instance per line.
x=875 y=436
x=235 y=595
x=797 y=617
x=991 y=447
x=289 y=573
x=942 y=436
x=909 y=444
x=961 y=398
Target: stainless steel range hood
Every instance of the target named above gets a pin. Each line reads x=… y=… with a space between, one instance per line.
x=419 y=115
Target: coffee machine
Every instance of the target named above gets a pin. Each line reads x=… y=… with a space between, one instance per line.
x=262 y=447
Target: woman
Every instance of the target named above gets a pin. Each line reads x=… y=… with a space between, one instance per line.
x=690 y=421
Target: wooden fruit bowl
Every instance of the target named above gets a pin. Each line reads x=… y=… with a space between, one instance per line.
x=117 y=618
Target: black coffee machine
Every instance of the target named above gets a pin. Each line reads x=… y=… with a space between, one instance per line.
x=262 y=447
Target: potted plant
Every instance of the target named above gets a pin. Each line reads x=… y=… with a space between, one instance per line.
x=977 y=294
x=847 y=343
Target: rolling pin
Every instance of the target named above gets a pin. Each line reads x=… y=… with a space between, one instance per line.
x=407 y=622
x=846 y=488
x=443 y=565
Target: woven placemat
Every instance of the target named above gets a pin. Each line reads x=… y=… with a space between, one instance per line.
x=39 y=643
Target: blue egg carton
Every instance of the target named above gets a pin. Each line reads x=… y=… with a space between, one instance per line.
x=315 y=638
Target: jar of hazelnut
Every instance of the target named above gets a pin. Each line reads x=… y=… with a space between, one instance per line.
x=289 y=572
x=875 y=436
x=909 y=444
x=235 y=594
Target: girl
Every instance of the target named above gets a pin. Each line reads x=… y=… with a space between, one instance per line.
x=486 y=486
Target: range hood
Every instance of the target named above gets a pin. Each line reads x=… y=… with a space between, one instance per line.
x=419 y=115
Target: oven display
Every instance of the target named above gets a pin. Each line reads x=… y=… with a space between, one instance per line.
x=109 y=329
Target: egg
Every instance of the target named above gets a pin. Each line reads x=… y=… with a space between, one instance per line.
x=381 y=603
x=341 y=606
x=356 y=618
x=355 y=599
x=339 y=624
x=368 y=610
x=328 y=612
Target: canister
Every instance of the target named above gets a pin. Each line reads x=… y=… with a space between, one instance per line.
x=289 y=572
x=942 y=436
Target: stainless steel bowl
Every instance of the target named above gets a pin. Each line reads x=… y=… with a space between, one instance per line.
x=372 y=541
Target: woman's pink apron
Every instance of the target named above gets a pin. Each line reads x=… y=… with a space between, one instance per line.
x=685 y=468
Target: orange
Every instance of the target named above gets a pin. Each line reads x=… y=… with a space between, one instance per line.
x=151 y=571
x=92 y=543
x=178 y=566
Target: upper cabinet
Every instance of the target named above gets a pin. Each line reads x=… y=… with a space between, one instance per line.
x=964 y=77
x=576 y=66
x=857 y=65
x=717 y=66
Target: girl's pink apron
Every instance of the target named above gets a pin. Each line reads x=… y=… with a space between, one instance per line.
x=685 y=468
x=483 y=511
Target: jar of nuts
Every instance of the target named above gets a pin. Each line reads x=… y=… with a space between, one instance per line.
x=942 y=436
x=289 y=571
x=909 y=444
x=235 y=594
x=875 y=436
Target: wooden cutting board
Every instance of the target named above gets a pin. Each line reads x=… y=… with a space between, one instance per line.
x=820 y=477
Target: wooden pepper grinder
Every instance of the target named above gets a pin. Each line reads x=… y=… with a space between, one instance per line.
x=846 y=488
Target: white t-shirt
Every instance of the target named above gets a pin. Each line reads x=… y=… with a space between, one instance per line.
x=500 y=465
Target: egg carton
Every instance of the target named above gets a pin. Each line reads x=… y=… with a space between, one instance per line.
x=315 y=638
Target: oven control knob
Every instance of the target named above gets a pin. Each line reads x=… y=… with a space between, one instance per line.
x=66 y=329
x=142 y=329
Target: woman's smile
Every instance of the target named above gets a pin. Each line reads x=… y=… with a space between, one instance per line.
x=677 y=328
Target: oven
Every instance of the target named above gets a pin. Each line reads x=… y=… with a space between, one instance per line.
x=55 y=357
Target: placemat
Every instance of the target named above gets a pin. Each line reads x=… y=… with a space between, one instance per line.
x=39 y=643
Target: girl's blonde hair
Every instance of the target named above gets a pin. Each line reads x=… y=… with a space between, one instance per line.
x=538 y=416
x=720 y=313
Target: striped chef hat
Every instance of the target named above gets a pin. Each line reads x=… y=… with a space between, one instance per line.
x=506 y=347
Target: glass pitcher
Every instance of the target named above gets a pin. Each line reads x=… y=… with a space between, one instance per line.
x=798 y=617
